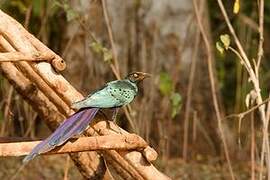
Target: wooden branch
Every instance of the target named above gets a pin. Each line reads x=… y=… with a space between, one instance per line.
x=114 y=168
x=150 y=154
x=26 y=42
x=9 y=26
x=213 y=85
x=52 y=78
x=101 y=128
x=90 y=164
x=57 y=82
x=12 y=32
x=49 y=92
x=58 y=63
x=118 y=142
x=28 y=90
x=31 y=74
x=135 y=158
x=18 y=56
x=121 y=164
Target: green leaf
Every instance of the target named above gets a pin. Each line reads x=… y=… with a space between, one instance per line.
x=96 y=47
x=66 y=6
x=57 y=3
x=107 y=55
x=71 y=14
x=176 y=101
x=165 y=84
x=225 y=39
x=219 y=47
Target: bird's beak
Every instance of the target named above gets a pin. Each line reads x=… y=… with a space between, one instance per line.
x=146 y=75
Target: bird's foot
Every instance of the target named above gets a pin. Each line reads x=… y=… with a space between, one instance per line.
x=119 y=130
x=113 y=119
x=114 y=116
x=76 y=136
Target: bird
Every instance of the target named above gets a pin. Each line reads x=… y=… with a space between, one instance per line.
x=114 y=94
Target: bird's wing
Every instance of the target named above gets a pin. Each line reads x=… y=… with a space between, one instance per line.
x=101 y=98
x=113 y=94
x=92 y=99
x=72 y=126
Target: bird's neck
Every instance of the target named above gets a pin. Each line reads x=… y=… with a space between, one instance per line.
x=134 y=84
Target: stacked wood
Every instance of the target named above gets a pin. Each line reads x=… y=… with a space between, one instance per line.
x=33 y=69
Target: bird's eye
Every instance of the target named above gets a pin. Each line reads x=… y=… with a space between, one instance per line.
x=135 y=75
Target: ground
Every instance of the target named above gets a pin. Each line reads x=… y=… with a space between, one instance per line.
x=54 y=167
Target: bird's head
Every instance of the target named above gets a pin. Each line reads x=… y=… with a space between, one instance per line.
x=137 y=76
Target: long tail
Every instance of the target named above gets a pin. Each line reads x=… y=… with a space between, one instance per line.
x=74 y=125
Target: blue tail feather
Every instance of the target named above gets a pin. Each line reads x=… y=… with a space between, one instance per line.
x=72 y=126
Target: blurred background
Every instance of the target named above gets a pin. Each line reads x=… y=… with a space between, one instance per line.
x=174 y=111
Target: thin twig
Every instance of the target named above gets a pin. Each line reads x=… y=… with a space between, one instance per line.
x=237 y=54
x=242 y=114
x=213 y=88
x=66 y=168
x=189 y=95
x=115 y=65
x=255 y=81
x=28 y=16
x=109 y=28
x=259 y=57
x=252 y=152
x=127 y=109
x=260 y=46
x=194 y=126
x=247 y=20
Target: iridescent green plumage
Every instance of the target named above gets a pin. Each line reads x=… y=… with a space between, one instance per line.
x=113 y=95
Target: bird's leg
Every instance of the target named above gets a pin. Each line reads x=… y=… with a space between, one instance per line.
x=115 y=112
x=114 y=116
x=107 y=119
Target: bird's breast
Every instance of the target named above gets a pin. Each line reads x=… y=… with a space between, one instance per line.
x=122 y=95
